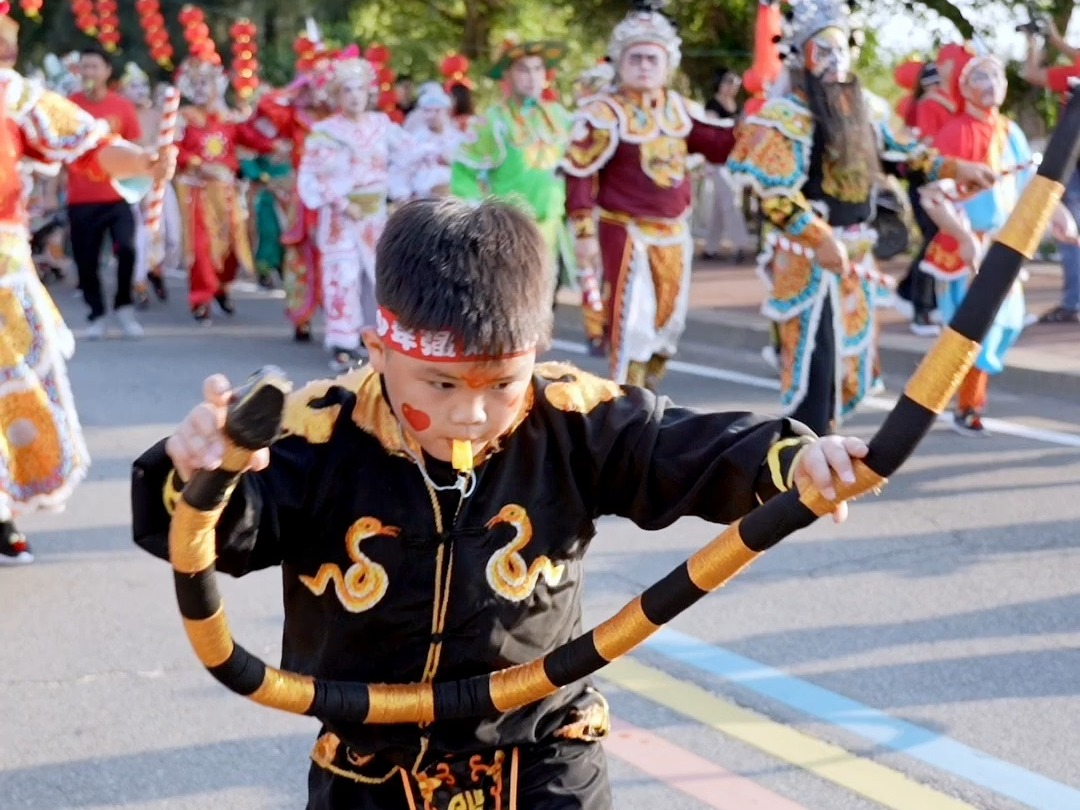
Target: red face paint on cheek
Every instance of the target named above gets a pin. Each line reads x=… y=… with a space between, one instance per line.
x=417 y=419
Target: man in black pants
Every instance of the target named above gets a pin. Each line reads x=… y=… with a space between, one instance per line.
x=96 y=208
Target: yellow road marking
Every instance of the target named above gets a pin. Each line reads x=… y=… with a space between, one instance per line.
x=864 y=777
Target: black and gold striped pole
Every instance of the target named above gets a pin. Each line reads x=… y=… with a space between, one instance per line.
x=254 y=422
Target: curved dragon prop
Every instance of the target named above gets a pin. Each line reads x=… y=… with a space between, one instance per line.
x=255 y=419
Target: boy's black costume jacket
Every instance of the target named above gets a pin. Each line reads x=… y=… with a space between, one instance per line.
x=387 y=580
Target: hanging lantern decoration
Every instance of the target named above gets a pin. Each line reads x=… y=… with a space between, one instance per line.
x=108 y=25
x=306 y=50
x=197 y=35
x=85 y=18
x=157 y=35
x=378 y=56
x=455 y=71
x=388 y=101
x=31 y=8
x=245 y=63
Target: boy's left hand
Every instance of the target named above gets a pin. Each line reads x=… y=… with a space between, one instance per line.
x=821 y=460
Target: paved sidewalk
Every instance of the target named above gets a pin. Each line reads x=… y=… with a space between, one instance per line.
x=1046 y=360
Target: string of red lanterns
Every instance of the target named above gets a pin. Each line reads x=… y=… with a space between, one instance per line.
x=245 y=63
x=197 y=35
x=157 y=35
x=108 y=25
x=85 y=18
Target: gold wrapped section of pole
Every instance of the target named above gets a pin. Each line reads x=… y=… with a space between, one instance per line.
x=192 y=539
x=286 y=691
x=623 y=632
x=520 y=685
x=401 y=703
x=866 y=480
x=720 y=561
x=192 y=536
x=1024 y=229
x=211 y=638
x=942 y=370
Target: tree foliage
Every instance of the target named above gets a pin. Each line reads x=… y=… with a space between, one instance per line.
x=420 y=33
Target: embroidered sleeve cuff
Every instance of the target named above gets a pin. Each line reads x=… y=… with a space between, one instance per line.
x=799 y=223
x=778 y=470
x=170 y=496
x=584 y=226
x=942 y=169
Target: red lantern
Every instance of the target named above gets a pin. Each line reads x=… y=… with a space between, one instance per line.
x=85 y=18
x=377 y=55
x=31 y=8
x=455 y=70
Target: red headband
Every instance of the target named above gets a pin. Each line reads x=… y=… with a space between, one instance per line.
x=439 y=345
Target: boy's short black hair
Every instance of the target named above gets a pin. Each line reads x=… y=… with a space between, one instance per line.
x=98 y=51
x=480 y=270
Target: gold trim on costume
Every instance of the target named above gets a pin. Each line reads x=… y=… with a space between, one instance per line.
x=171 y=493
x=1024 y=229
x=940 y=373
x=772 y=459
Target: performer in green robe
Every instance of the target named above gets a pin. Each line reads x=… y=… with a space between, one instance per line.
x=514 y=149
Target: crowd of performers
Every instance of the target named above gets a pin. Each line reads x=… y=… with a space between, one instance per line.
x=293 y=186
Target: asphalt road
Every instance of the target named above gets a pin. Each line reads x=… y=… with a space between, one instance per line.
x=922 y=656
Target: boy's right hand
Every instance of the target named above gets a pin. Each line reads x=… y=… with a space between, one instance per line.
x=199 y=442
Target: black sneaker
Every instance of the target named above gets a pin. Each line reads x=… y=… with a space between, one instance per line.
x=14 y=550
x=201 y=314
x=225 y=303
x=158 y=283
x=1060 y=315
x=302 y=333
x=922 y=326
x=968 y=423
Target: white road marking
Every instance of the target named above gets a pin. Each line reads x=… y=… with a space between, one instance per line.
x=886 y=404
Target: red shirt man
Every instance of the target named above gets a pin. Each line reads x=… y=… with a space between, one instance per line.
x=96 y=209
x=123 y=119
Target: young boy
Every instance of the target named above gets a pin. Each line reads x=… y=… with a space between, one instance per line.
x=397 y=568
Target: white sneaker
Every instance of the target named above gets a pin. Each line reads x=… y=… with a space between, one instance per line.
x=97 y=329
x=132 y=329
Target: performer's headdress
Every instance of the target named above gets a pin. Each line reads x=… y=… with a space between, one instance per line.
x=646 y=23
x=351 y=68
x=513 y=49
x=133 y=74
x=193 y=68
x=804 y=19
x=433 y=97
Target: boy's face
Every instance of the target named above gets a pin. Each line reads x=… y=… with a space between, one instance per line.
x=438 y=402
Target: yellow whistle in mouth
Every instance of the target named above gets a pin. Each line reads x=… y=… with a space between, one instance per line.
x=461 y=456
